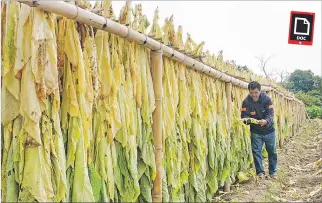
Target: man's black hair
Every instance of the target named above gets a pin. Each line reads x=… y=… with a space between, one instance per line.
x=253 y=85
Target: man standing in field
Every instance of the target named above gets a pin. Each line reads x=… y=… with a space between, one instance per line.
x=258 y=105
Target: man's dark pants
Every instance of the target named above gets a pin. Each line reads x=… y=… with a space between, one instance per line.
x=257 y=146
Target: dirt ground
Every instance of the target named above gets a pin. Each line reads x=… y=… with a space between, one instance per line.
x=299 y=172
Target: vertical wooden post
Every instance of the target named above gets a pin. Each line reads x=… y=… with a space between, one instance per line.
x=229 y=103
x=228 y=89
x=297 y=117
x=294 y=118
x=156 y=66
x=281 y=117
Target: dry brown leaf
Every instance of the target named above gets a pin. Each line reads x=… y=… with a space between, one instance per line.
x=278 y=199
x=316 y=190
x=318 y=164
x=291 y=182
x=297 y=168
x=317 y=173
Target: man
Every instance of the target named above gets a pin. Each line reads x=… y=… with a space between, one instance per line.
x=258 y=105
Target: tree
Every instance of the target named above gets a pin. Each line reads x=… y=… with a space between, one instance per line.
x=282 y=74
x=317 y=80
x=307 y=88
x=301 y=80
x=263 y=65
x=310 y=99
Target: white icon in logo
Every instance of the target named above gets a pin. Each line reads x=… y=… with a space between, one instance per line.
x=305 y=22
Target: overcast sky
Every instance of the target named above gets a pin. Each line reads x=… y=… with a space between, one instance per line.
x=244 y=29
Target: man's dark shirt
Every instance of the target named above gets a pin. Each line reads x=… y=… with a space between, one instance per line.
x=262 y=109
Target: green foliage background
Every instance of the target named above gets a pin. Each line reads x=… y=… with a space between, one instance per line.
x=308 y=88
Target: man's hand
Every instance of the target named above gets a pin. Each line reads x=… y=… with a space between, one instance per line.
x=262 y=122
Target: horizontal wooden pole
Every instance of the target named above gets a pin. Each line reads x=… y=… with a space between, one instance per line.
x=89 y=18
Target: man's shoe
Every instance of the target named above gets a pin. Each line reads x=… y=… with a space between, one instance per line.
x=261 y=175
x=273 y=176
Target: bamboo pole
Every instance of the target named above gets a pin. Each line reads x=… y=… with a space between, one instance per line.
x=89 y=18
x=229 y=102
x=281 y=118
x=294 y=116
x=156 y=66
x=297 y=117
x=292 y=111
x=228 y=88
x=281 y=141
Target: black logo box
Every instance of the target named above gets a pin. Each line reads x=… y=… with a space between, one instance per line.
x=301 y=27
